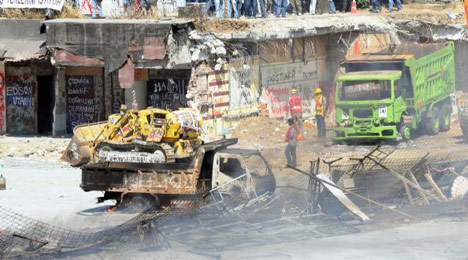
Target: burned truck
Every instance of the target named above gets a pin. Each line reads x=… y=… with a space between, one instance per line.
x=238 y=174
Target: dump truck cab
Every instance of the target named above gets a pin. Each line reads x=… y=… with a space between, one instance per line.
x=369 y=104
x=241 y=172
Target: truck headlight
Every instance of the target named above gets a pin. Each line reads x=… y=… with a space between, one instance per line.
x=344 y=116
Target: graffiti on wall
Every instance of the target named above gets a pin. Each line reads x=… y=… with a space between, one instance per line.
x=243 y=88
x=21 y=91
x=80 y=100
x=167 y=93
x=2 y=98
x=278 y=80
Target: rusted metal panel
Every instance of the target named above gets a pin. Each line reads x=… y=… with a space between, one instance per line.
x=154 y=48
x=63 y=57
x=161 y=182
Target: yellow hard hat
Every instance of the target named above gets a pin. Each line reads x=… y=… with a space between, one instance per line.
x=293 y=90
x=318 y=90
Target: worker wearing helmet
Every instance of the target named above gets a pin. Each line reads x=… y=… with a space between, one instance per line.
x=321 y=108
x=295 y=106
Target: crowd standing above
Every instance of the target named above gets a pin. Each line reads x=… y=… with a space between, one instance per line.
x=251 y=9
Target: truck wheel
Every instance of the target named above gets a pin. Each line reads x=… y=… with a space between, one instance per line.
x=444 y=118
x=140 y=202
x=405 y=132
x=433 y=122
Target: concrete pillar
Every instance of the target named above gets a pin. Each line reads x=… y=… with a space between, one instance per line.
x=59 y=125
x=140 y=90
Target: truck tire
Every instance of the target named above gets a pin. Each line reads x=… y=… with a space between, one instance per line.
x=140 y=203
x=405 y=132
x=444 y=118
x=433 y=123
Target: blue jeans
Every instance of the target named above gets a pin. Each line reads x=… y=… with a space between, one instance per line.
x=239 y=8
x=98 y=4
x=332 y=6
x=390 y=5
x=262 y=8
x=219 y=6
x=281 y=6
x=250 y=8
x=376 y=5
x=232 y=4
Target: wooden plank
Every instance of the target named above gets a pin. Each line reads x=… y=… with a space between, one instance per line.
x=423 y=196
x=434 y=185
x=408 y=193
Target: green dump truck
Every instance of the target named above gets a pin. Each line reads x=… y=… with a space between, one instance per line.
x=391 y=94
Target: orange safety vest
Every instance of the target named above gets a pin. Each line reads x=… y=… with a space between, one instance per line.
x=296 y=105
x=320 y=105
x=289 y=135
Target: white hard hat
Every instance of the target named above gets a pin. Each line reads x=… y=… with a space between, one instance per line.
x=189 y=95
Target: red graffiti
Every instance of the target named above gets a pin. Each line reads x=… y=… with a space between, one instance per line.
x=278 y=100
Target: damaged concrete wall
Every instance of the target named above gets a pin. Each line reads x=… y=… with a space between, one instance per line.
x=149 y=43
x=225 y=96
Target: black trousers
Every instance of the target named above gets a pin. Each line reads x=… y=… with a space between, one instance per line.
x=290 y=152
x=320 y=125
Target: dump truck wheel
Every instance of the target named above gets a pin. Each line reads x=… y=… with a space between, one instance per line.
x=140 y=202
x=405 y=132
x=433 y=122
x=444 y=118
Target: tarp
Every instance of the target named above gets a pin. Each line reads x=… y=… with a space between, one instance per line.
x=40 y=4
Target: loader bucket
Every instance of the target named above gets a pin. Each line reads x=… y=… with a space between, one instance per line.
x=79 y=150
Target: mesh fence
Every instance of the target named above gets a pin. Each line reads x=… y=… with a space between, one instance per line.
x=281 y=217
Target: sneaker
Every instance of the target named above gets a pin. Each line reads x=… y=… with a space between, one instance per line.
x=284 y=16
x=312 y=13
x=373 y=11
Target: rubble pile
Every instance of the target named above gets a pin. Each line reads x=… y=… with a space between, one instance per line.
x=40 y=148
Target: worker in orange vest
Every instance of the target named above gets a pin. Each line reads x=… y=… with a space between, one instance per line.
x=291 y=138
x=295 y=106
x=321 y=108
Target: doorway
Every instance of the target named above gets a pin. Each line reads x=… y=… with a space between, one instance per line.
x=45 y=104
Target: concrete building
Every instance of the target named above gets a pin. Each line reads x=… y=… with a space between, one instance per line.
x=89 y=68
x=26 y=79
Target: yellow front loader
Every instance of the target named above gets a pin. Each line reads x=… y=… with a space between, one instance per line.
x=151 y=135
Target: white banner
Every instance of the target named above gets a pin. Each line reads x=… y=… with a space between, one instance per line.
x=40 y=4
